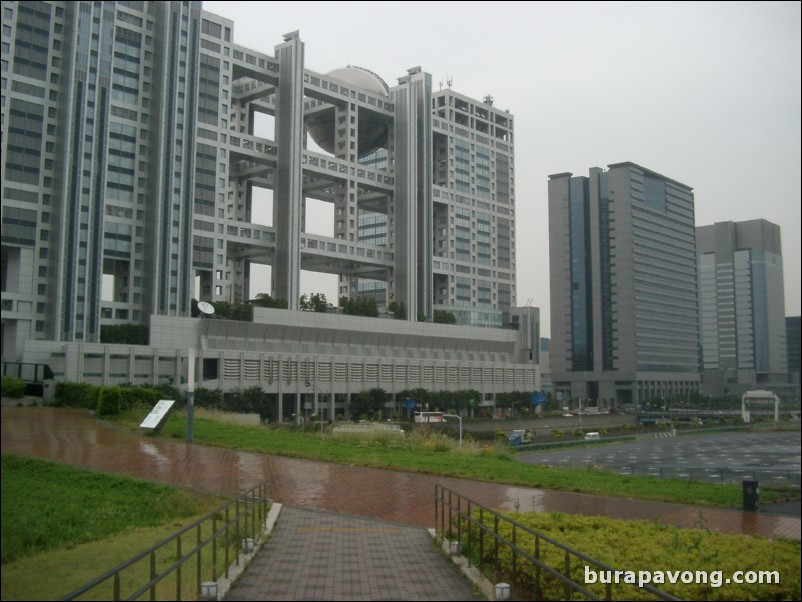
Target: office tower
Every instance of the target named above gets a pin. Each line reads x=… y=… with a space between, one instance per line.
x=741 y=306
x=624 y=326
x=792 y=338
x=140 y=143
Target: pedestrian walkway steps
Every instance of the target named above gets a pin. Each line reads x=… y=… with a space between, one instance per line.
x=317 y=555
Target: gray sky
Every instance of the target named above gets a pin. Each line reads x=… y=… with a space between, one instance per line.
x=705 y=93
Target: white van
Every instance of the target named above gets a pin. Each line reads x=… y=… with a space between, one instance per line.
x=592 y=436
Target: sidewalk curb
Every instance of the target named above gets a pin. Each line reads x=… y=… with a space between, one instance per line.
x=237 y=568
x=487 y=588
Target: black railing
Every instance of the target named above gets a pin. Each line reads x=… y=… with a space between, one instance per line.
x=536 y=566
x=215 y=542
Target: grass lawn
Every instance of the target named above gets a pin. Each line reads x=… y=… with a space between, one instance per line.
x=431 y=453
x=63 y=526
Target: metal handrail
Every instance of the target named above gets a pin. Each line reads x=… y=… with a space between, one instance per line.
x=249 y=514
x=466 y=521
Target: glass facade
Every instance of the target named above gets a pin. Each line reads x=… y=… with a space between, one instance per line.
x=581 y=281
x=624 y=287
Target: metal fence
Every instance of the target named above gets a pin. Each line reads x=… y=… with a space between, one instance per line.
x=536 y=566
x=200 y=553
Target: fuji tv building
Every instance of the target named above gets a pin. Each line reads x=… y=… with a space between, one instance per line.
x=131 y=186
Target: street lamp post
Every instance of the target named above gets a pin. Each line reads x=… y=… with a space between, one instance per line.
x=460 y=425
x=317 y=409
x=190 y=396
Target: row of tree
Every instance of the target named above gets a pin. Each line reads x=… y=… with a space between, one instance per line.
x=316 y=302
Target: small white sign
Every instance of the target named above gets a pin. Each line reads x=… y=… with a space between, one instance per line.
x=157 y=414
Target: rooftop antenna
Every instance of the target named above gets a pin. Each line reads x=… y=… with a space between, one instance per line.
x=449 y=81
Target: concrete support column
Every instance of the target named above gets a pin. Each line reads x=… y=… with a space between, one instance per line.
x=413 y=193
x=288 y=198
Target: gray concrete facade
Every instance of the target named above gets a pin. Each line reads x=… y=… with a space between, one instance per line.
x=130 y=185
x=317 y=360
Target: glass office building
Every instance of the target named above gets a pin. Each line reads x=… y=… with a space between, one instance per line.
x=741 y=306
x=624 y=325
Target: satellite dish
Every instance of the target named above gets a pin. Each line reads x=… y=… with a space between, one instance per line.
x=205 y=308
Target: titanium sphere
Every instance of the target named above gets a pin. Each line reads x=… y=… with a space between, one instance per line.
x=372 y=133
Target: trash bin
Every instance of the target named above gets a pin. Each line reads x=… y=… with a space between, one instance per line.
x=751 y=491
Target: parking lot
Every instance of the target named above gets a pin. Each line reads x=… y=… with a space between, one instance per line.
x=771 y=458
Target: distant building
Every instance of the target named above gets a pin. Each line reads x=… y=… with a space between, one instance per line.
x=792 y=339
x=624 y=321
x=741 y=307
x=545 y=366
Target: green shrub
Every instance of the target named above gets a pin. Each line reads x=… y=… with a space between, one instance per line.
x=634 y=545
x=13 y=387
x=109 y=401
x=106 y=401
x=132 y=397
x=76 y=395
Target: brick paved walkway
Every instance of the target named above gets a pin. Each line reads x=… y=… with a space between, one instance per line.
x=314 y=553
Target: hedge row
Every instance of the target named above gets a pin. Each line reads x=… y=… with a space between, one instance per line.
x=636 y=545
x=13 y=387
x=104 y=401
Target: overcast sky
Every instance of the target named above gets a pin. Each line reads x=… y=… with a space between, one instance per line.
x=705 y=93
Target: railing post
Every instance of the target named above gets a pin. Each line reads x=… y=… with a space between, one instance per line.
x=470 y=535
x=198 y=575
x=214 y=548
x=495 y=546
x=239 y=533
x=567 y=574
x=481 y=539
x=153 y=576
x=459 y=519
x=450 y=517
x=178 y=569
x=538 y=585
x=227 y=543
x=514 y=553
x=117 y=586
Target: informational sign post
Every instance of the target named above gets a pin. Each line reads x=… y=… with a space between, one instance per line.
x=157 y=414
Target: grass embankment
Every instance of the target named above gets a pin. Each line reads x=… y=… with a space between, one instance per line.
x=63 y=527
x=427 y=452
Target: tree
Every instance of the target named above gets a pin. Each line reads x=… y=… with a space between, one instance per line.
x=368 y=403
x=359 y=307
x=127 y=334
x=442 y=316
x=398 y=310
x=314 y=302
x=265 y=300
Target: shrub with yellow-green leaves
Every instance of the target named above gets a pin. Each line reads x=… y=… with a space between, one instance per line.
x=634 y=546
